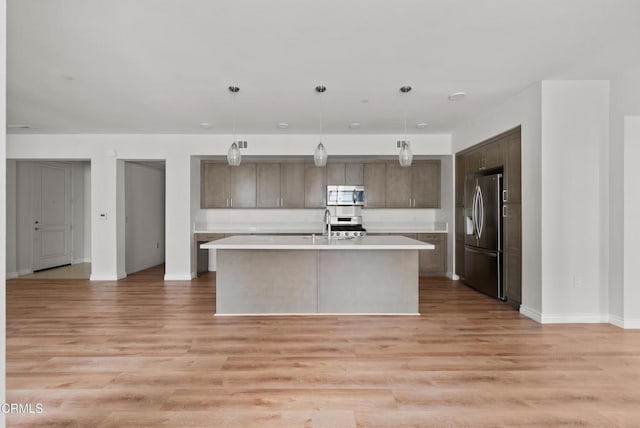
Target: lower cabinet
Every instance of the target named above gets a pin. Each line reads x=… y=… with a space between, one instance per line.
x=202 y=256
x=433 y=262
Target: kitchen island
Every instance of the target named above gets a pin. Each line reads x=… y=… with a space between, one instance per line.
x=280 y=274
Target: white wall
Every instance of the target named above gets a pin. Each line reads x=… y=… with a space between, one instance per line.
x=12 y=260
x=81 y=200
x=144 y=216
x=177 y=150
x=631 y=226
x=625 y=102
x=575 y=127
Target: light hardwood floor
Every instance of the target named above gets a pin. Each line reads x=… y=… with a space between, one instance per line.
x=145 y=352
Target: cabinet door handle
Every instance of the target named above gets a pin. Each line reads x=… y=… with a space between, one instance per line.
x=227 y=202
x=504 y=211
x=504 y=196
x=231 y=202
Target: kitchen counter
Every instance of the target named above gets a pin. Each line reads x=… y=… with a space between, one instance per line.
x=294 y=275
x=317 y=227
x=285 y=242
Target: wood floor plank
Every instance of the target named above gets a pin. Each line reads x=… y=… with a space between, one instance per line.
x=148 y=352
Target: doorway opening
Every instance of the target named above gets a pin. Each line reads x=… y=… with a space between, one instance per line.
x=48 y=219
x=144 y=214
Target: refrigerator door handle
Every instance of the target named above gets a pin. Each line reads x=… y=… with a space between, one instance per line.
x=481 y=212
x=473 y=212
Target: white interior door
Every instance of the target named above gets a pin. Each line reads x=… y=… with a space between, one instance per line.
x=51 y=215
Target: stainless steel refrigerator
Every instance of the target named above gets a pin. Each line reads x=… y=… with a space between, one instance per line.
x=483 y=234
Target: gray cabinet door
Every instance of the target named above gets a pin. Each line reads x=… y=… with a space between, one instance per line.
x=433 y=262
x=292 y=185
x=353 y=174
x=268 y=176
x=494 y=155
x=425 y=184
x=336 y=173
x=460 y=177
x=375 y=184
x=512 y=275
x=459 y=238
x=512 y=171
x=214 y=188
x=243 y=185
x=314 y=186
x=398 y=186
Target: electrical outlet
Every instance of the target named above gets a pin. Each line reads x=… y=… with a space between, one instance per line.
x=399 y=142
x=157 y=244
x=242 y=144
x=577 y=282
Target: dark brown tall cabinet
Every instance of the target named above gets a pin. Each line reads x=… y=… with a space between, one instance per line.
x=501 y=152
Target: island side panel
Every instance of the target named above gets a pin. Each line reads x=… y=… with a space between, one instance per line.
x=266 y=282
x=368 y=281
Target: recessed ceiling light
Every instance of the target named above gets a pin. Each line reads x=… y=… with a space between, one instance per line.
x=457 y=96
x=354 y=125
x=422 y=125
x=283 y=125
x=206 y=125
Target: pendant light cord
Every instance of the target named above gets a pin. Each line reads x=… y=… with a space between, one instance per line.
x=235 y=95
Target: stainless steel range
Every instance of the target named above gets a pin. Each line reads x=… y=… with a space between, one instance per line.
x=343 y=216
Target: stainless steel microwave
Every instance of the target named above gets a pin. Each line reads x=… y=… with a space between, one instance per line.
x=345 y=195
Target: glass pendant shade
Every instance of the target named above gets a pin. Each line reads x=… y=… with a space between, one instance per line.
x=320 y=155
x=405 y=156
x=233 y=155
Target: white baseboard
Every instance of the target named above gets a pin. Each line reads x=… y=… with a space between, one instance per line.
x=452 y=276
x=22 y=272
x=531 y=313
x=77 y=261
x=11 y=275
x=107 y=277
x=624 y=323
x=182 y=277
x=575 y=318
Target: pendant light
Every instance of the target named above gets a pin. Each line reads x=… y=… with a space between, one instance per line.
x=405 y=156
x=234 y=157
x=320 y=155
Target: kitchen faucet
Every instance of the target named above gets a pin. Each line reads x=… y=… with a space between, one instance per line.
x=327 y=223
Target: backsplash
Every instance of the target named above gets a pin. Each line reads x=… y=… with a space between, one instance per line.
x=399 y=215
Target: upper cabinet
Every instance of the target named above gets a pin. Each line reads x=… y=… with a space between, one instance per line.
x=375 y=184
x=228 y=187
x=345 y=173
x=398 y=193
x=512 y=170
x=214 y=189
x=415 y=187
x=292 y=185
x=242 y=181
x=314 y=186
x=280 y=185
x=485 y=157
x=303 y=185
x=425 y=184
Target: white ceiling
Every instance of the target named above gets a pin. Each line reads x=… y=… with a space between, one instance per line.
x=163 y=66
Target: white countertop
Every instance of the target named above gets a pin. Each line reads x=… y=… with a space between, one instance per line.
x=283 y=242
x=308 y=227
